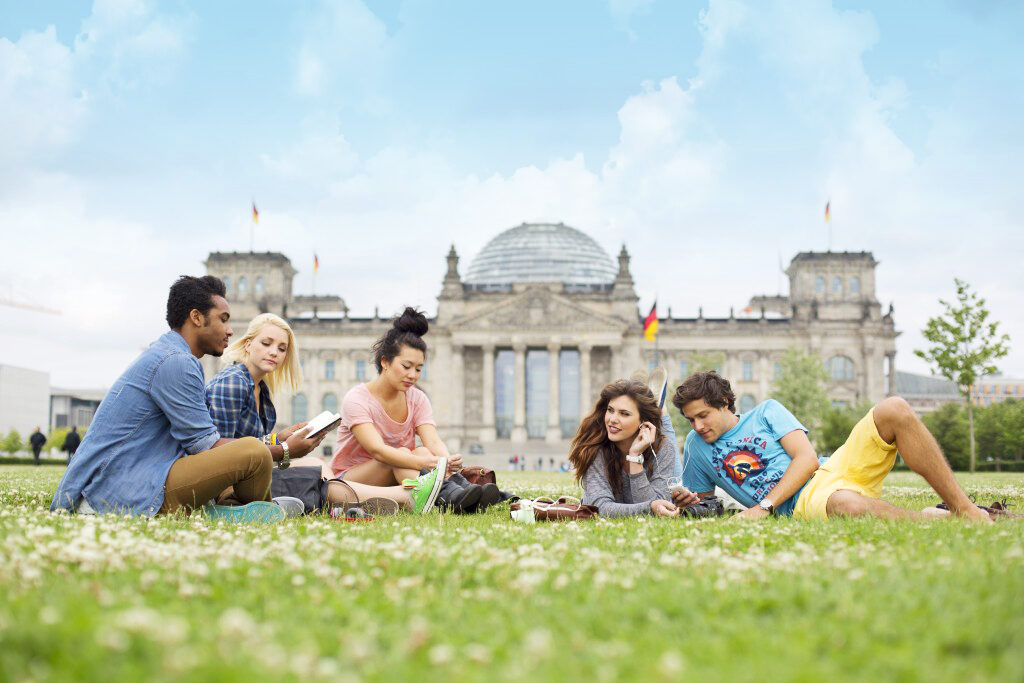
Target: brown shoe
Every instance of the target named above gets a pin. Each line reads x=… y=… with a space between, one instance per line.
x=996 y=511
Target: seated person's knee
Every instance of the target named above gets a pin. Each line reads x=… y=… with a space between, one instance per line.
x=847 y=503
x=893 y=410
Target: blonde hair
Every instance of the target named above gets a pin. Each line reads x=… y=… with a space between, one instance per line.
x=287 y=376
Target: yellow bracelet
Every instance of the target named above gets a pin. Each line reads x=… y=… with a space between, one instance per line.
x=273 y=439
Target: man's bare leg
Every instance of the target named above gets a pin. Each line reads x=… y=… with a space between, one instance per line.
x=897 y=423
x=853 y=504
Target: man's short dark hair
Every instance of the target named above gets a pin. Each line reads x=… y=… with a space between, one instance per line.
x=710 y=387
x=189 y=293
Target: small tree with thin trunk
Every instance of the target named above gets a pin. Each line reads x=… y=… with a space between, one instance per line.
x=800 y=387
x=964 y=346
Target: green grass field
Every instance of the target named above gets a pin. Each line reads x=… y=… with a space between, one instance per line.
x=482 y=598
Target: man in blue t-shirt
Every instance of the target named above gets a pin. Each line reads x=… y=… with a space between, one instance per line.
x=765 y=461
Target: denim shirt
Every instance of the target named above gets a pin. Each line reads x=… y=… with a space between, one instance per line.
x=229 y=396
x=154 y=414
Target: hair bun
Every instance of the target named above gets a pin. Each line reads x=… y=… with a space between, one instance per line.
x=412 y=321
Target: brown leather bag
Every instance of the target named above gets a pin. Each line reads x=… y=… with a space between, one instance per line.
x=561 y=510
x=479 y=475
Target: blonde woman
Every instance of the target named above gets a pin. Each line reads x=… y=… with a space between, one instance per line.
x=265 y=360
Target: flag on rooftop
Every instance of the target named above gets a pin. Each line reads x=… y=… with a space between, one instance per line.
x=255 y=214
x=316 y=263
x=828 y=212
x=651 y=324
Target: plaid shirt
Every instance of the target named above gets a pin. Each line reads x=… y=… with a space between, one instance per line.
x=229 y=396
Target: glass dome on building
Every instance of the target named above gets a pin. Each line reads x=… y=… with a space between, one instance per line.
x=541 y=252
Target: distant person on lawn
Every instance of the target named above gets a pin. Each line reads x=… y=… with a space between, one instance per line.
x=764 y=459
x=152 y=447
x=71 y=442
x=240 y=401
x=37 y=441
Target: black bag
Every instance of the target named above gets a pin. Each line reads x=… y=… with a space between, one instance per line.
x=304 y=483
x=708 y=507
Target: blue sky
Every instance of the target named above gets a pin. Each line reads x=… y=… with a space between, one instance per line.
x=705 y=135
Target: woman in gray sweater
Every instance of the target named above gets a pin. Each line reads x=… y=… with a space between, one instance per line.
x=625 y=452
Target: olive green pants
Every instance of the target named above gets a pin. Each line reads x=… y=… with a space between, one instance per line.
x=244 y=465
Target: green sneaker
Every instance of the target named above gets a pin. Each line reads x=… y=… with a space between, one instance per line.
x=424 y=488
x=257 y=512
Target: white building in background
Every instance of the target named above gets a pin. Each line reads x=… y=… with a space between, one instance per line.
x=24 y=400
x=74 y=407
x=543 y=318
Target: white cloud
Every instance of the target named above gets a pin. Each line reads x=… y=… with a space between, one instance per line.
x=340 y=41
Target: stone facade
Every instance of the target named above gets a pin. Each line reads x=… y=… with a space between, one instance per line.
x=482 y=330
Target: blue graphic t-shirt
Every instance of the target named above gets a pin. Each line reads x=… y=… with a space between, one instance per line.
x=748 y=460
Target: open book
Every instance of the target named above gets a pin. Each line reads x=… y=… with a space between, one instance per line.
x=323 y=422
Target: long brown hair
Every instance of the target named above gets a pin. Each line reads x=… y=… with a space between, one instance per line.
x=592 y=437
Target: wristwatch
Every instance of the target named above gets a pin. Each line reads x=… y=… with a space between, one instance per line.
x=638 y=459
x=284 y=463
x=767 y=506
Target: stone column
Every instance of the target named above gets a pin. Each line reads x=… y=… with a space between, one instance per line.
x=890 y=381
x=487 y=432
x=585 y=380
x=763 y=372
x=519 y=420
x=554 y=433
x=616 y=361
x=458 y=391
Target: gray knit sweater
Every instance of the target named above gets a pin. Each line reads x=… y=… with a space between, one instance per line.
x=638 y=490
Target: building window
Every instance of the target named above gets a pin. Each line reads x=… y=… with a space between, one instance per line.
x=748 y=370
x=243 y=287
x=854 y=285
x=328 y=370
x=568 y=392
x=837 y=285
x=747 y=403
x=819 y=285
x=361 y=370
x=424 y=370
x=227 y=285
x=302 y=367
x=257 y=286
x=331 y=403
x=776 y=369
x=684 y=369
x=537 y=393
x=300 y=408
x=504 y=392
x=840 y=368
x=840 y=405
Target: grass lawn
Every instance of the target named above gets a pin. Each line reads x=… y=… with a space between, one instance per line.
x=482 y=598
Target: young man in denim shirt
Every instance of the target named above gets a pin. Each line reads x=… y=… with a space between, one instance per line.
x=152 y=446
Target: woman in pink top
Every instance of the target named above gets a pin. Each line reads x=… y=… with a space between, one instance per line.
x=382 y=418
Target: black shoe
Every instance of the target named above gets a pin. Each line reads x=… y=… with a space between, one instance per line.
x=459 y=499
x=708 y=507
x=489 y=495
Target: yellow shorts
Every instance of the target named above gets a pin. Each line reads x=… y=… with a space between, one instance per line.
x=861 y=464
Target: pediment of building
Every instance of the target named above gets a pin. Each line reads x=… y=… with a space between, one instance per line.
x=538 y=309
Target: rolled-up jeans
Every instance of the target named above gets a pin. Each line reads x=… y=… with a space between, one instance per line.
x=244 y=465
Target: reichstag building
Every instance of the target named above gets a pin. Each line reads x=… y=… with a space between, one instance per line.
x=543 y=317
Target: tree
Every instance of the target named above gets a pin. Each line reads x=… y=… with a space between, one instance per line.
x=964 y=346
x=999 y=430
x=836 y=424
x=948 y=424
x=12 y=442
x=800 y=387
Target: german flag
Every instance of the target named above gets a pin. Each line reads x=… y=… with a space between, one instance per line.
x=651 y=324
x=255 y=214
x=316 y=263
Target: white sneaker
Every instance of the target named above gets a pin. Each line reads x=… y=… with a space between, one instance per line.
x=657 y=382
x=292 y=507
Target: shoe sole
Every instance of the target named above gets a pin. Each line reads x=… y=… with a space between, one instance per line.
x=258 y=512
x=489 y=495
x=293 y=507
x=379 y=506
x=442 y=467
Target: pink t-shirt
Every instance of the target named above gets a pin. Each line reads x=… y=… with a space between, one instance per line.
x=359 y=407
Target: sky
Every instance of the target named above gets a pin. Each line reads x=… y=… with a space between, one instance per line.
x=705 y=136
